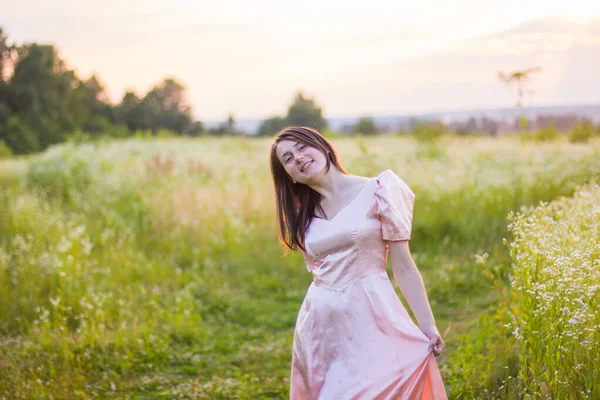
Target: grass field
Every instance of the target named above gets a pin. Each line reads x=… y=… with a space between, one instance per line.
x=151 y=268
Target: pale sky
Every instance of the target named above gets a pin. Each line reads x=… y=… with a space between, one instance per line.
x=375 y=57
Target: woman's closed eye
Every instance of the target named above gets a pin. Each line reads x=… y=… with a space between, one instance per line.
x=288 y=158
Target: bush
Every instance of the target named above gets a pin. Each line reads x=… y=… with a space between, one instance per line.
x=547 y=133
x=20 y=137
x=365 y=126
x=427 y=132
x=331 y=134
x=143 y=134
x=166 y=134
x=78 y=137
x=581 y=132
x=61 y=177
x=552 y=300
x=271 y=126
x=118 y=131
x=4 y=150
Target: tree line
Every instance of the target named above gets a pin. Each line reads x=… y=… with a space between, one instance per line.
x=43 y=102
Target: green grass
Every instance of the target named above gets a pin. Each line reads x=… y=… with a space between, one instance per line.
x=151 y=269
x=554 y=303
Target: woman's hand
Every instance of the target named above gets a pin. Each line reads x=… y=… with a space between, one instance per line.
x=435 y=340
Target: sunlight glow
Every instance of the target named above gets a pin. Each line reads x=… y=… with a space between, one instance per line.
x=248 y=58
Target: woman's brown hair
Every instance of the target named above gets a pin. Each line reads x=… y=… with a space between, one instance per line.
x=296 y=202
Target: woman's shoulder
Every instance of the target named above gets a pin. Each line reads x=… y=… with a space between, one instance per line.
x=389 y=180
x=387 y=176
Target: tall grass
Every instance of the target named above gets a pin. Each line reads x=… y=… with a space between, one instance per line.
x=152 y=268
x=540 y=340
x=555 y=297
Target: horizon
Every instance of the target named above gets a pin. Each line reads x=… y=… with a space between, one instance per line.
x=387 y=60
x=433 y=112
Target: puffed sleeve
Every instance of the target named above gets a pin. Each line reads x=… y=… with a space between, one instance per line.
x=309 y=264
x=393 y=204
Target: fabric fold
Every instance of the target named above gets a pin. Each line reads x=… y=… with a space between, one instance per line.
x=393 y=204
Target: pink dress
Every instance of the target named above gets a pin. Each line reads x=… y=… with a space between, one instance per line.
x=353 y=337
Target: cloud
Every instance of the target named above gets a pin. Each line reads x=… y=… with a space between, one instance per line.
x=464 y=73
x=544 y=35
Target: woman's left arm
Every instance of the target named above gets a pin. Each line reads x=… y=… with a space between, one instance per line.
x=411 y=284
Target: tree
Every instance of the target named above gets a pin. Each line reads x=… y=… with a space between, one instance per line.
x=7 y=53
x=304 y=111
x=230 y=124
x=365 y=126
x=19 y=137
x=42 y=102
x=45 y=94
x=225 y=128
x=520 y=79
x=130 y=112
x=197 y=129
x=100 y=116
x=270 y=126
x=427 y=131
x=165 y=106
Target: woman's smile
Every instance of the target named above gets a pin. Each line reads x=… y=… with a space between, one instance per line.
x=306 y=166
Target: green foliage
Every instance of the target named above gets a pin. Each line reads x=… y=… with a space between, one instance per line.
x=164 y=106
x=546 y=133
x=46 y=96
x=523 y=123
x=43 y=103
x=225 y=128
x=166 y=134
x=331 y=134
x=552 y=301
x=428 y=132
x=98 y=124
x=428 y=135
x=19 y=137
x=305 y=112
x=485 y=358
x=430 y=151
x=5 y=151
x=270 y=126
x=150 y=268
x=143 y=134
x=196 y=129
x=130 y=112
x=365 y=155
x=581 y=132
x=365 y=126
x=62 y=177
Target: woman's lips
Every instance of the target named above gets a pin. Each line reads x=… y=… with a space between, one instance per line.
x=307 y=165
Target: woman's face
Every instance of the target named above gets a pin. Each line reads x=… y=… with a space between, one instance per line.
x=302 y=162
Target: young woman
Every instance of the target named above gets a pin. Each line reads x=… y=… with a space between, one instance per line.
x=353 y=337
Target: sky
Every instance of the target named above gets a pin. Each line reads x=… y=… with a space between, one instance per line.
x=380 y=57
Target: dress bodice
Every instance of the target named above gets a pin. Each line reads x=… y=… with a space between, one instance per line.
x=353 y=243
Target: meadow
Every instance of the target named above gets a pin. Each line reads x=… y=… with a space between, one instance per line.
x=151 y=268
